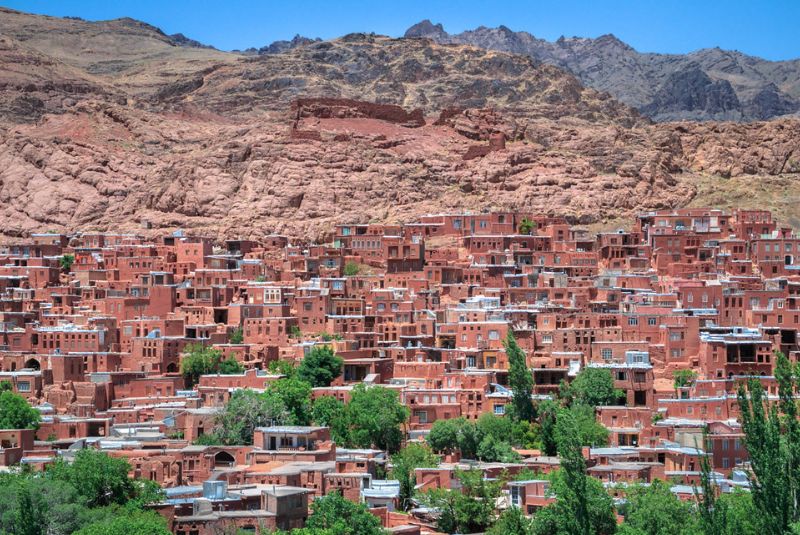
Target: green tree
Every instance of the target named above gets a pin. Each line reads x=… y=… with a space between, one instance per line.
x=351 y=269
x=128 y=522
x=469 y=511
x=525 y=434
x=772 y=439
x=30 y=502
x=548 y=414
x=101 y=479
x=457 y=434
x=655 y=510
x=198 y=360
x=296 y=397
x=681 y=378
x=443 y=436
x=329 y=412
x=741 y=517
x=519 y=379
x=494 y=450
x=527 y=226
x=338 y=516
x=70 y=496
x=282 y=367
x=16 y=412
x=230 y=366
x=582 y=506
x=237 y=336
x=374 y=418
x=320 y=367
x=595 y=387
x=512 y=522
x=581 y=424
x=404 y=464
x=28 y=520
x=246 y=410
x=66 y=261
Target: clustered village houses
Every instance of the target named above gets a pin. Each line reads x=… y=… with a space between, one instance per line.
x=421 y=308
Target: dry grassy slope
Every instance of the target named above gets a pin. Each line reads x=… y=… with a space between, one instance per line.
x=130 y=55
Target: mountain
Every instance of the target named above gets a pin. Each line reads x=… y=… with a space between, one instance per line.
x=116 y=126
x=277 y=47
x=127 y=55
x=709 y=84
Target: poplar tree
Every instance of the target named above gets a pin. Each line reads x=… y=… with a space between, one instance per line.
x=519 y=379
x=772 y=439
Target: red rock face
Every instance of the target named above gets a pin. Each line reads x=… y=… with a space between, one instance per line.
x=342 y=108
x=363 y=128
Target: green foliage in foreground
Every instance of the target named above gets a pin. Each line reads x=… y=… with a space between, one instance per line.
x=89 y=496
x=16 y=412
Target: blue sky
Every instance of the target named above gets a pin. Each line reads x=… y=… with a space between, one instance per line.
x=767 y=28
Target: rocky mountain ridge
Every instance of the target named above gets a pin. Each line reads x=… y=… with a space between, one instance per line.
x=708 y=84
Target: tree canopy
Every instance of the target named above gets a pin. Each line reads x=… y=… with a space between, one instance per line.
x=470 y=510
x=320 y=367
x=594 y=387
x=337 y=516
x=374 y=417
x=90 y=495
x=490 y=438
x=16 y=412
x=655 y=510
x=199 y=360
x=404 y=464
x=246 y=410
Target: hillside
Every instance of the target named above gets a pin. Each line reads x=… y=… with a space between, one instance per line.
x=227 y=144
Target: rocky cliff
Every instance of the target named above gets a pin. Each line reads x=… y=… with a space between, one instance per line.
x=709 y=84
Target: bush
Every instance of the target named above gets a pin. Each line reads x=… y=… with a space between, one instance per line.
x=237 y=336
x=351 y=269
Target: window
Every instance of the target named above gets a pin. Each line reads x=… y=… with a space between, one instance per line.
x=633 y=321
x=23 y=386
x=606 y=353
x=652 y=321
x=422 y=416
x=547 y=339
x=499 y=410
x=494 y=335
